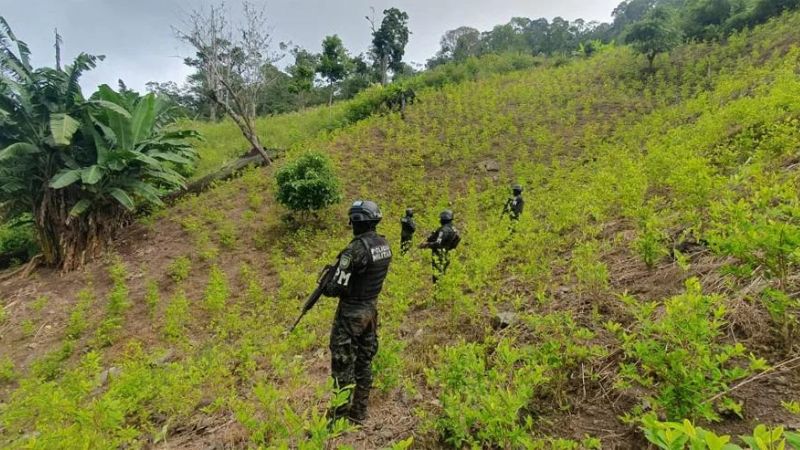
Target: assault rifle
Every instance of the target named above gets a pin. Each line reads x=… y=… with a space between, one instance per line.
x=325 y=276
x=507 y=208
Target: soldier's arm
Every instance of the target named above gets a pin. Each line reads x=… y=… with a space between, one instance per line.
x=352 y=261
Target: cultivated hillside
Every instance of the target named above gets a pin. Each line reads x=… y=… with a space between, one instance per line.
x=654 y=272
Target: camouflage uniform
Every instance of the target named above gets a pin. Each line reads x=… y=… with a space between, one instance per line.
x=407 y=232
x=439 y=242
x=358 y=280
x=514 y=206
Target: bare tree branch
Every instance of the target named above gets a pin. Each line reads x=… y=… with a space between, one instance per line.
x=234 y=62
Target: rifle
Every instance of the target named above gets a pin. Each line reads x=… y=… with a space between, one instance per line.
x=506 y=209
x=325 y=276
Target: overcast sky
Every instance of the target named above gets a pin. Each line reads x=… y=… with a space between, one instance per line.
x=137 y=39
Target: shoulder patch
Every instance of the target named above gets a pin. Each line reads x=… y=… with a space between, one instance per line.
x=344 y=261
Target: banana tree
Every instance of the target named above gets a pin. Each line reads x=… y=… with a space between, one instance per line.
x=79 y=166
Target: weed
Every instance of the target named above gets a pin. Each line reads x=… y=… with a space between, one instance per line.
x=791 y=406
x=179 y=269
x=7 y=372
x=675 y=354
x=28 y=328
x=216 y=294
x=176 y=317
x=152 y=297
x=77 y=322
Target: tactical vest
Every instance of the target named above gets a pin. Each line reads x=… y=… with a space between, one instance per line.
x=369 y=283
x=408 y=227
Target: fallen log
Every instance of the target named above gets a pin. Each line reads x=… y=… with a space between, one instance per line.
x=229 y=171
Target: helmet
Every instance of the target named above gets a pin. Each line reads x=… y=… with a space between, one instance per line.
x=410 y=212
x=364 y=211
x=517 y=189
x=446 y=216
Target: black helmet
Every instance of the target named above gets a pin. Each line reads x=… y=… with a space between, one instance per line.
x=364 y=211
x=410 y=212
x=446 y=216
x=517 y=189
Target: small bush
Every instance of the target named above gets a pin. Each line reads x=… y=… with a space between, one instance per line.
x=308 y=184
x=179 y=269
x=676 y=354
x=17 y=243
x=7 y=373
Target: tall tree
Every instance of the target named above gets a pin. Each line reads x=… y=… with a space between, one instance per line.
x=302 y=72
x=234 y=60
x=389 y=42
x=653 y=35
x=333 y=63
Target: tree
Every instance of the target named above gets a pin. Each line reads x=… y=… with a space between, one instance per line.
x=302 y=72
x=307 y=184
x=333 y=63
x=361 y=77
x=704 y=19
x=235 y=68
x=389 y=42
x=653 y=35
x=79 y=167
x=459 y=44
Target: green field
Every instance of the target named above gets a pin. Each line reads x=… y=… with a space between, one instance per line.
x=653 y=277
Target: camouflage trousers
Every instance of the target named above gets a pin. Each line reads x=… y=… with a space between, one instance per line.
x=440 y=261
x=405 y=244
x=354 y=342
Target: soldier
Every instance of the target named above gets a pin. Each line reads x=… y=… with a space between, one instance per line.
x=514 y=204
x=440 y=242
x=358 y=280
x=407 y=231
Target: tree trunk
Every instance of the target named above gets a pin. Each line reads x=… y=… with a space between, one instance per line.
x=384 y=70
x=330 y=96
x=651 y=58
x=67 y=242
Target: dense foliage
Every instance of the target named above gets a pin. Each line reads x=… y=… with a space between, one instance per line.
x=79 y=167
x=307 y=184
x=657 y=252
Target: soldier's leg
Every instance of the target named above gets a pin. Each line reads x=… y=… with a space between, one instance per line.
x=343 y=358
x=366 y=350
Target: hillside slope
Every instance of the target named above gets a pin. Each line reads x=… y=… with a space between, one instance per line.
x=654 y=269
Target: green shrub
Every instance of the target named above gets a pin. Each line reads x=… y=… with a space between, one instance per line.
x=676 y=355
x=18 y=240
x=176 y=317
x=179 y=269
x=685 y=435
x=307 y=183
x=7 y=372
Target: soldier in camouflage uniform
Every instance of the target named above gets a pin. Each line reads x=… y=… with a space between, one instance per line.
x=440 y=242
x=407 y=231
x=358 y=280
x=515 y=204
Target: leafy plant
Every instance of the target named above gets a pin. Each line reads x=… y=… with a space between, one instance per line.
x=179 y=269
x=675 y=354
x=176 y=317
x=7 y=372
x=685 y=435
x=307 y=184
x=79 y=166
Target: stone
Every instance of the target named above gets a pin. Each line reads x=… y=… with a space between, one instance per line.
x=108 y=374
x=490 y=165
x=503 y=320
x=167 y=357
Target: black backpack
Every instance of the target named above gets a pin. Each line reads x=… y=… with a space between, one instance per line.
x=453 y=239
